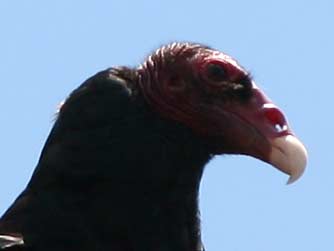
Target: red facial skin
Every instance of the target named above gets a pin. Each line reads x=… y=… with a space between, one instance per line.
x=177 y=84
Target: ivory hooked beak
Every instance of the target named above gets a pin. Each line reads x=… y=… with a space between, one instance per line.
x=288 y=155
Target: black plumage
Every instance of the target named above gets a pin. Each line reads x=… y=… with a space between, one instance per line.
x=112 y=176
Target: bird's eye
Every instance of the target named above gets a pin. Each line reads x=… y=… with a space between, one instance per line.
x=216 y=72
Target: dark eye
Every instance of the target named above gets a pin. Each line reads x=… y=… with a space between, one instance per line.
x=216 y=72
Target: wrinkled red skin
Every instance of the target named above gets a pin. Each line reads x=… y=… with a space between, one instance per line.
x=183 y=92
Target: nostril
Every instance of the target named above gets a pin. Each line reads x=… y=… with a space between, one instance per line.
x=275 y=117
x=280 y=128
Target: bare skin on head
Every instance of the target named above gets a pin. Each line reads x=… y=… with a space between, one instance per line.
x=221 y=103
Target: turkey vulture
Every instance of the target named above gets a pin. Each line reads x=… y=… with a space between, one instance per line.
x=122 y=165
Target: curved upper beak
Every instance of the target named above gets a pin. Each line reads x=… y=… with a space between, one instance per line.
x=289 y=155
x=265 y=128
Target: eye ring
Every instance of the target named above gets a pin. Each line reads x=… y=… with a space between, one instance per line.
x=216 y=72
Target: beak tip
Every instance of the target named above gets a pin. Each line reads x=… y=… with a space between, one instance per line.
x=292 y=179
x=290 y=156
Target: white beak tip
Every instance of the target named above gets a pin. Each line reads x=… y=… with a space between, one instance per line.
x=290 y=156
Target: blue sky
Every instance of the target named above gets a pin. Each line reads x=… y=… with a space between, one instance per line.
x=47 y=48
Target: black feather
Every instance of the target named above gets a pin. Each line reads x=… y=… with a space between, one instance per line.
x=113 y=175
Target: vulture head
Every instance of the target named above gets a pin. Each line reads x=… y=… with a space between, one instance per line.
x=209 y=92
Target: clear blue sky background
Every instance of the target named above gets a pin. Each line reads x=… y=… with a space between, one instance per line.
x=47 y=48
